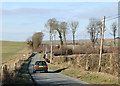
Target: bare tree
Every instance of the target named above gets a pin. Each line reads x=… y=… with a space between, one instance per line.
x=60 y=34
x=53 y=24
x=55 y=33
x=74 y=25
x=94 y=29
x=99 y=27
x=114 y=30
x=63 y=27
x=50 y=26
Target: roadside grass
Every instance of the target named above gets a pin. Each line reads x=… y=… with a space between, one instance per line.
x=23 y=77
x=88 y=76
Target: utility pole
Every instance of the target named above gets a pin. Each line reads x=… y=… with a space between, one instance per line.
x=51 y=48
x=46 y=49
x=101 y=44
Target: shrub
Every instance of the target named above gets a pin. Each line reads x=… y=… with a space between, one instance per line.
x=61 y=51
x=69 y=52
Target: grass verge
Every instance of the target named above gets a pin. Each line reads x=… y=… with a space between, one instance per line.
x=23 y=77
x=88 y=76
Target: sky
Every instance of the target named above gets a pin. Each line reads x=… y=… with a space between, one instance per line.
x=20 y=20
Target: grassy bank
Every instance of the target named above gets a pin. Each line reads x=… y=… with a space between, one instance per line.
x=12 y=52
x=23 y=77
x=90 y=77
x=19 y=76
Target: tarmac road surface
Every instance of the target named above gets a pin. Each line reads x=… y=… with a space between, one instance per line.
x=52 y=78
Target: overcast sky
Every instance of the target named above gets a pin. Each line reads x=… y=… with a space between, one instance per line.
x=21 y=20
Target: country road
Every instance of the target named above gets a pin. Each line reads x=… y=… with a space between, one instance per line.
x=52 y=78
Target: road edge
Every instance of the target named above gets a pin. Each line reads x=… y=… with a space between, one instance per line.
x=35 y=84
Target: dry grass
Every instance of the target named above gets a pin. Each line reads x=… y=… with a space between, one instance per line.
x=88 y=76
x=90 y=62
x=19 y=76
x=12 y=57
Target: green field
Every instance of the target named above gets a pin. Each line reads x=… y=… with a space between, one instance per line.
x=10 y=48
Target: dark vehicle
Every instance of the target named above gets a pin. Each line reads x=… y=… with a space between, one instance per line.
x=40 y=66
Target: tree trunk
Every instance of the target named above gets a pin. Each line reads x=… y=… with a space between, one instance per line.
x=73 y=41
x=64 y=38
x=55 y=38
x=114 y=41
x=50 y=36
x=93 y=44
x=60 y=36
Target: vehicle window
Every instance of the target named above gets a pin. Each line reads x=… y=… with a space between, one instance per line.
x=40 y=63
x=37 y=63
x=43 y=63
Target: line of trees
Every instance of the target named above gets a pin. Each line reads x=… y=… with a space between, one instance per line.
x=62 y=28
x=74 y=25
x=94 y=29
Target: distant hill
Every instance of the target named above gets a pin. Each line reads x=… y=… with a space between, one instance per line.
x=107 y=42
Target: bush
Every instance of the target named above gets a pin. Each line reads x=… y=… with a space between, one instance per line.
x=61 y=51
x=69 y=52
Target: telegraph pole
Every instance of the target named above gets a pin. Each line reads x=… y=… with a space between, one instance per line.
x=51 y=48
x=101 y=44
x=46 y=49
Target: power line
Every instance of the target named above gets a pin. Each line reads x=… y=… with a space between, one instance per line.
x=108 y=29
x=113 y=18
